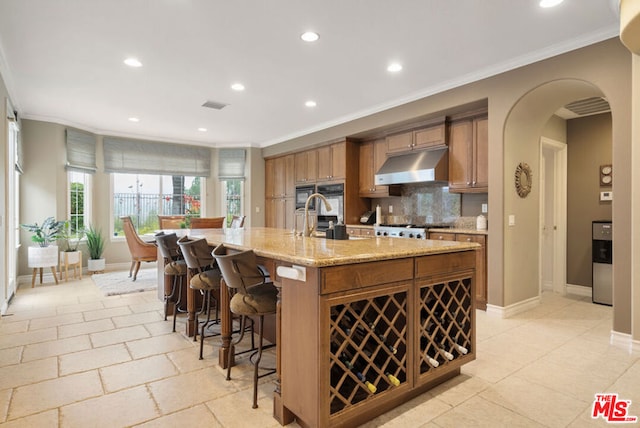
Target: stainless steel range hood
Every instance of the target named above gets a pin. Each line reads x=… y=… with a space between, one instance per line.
x=415 y=167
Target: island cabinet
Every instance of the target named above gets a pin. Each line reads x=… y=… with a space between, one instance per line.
x=364 y=338
x=469 y=156
x=372 y=156
x=279 y=192
x=332 y=162
x=306 y=166
x=360 y=231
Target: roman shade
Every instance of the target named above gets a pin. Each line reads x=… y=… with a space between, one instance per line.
x=81 y=152
x=231 y=164
x=150 y=157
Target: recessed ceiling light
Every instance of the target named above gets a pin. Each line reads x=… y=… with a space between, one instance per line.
x=309 y=36
x=237 y=87
x=134 y=119
x=394 y=67
x=550 y=3
x=133 y=62
x=310 y=103
x=202 y=129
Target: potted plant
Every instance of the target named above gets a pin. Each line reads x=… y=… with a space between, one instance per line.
x=45 y=254
x=95 y=244
x=70 y=256
x=49 y=231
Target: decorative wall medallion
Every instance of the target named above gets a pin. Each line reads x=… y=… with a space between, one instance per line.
x=524 y=179
x=606 y=175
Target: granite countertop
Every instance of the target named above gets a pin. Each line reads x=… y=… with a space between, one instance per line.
x=280 y=244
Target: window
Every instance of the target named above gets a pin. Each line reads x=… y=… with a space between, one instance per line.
x=78 y=209
x=232 y=198
x=144 y=197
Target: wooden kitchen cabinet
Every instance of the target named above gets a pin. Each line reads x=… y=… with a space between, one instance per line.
x=306 y=166
x=360 y=231
x=481 y=263
x=372 y=156
x=331 y=162
x=469 y=156
x=280 y=192
x=424 y=138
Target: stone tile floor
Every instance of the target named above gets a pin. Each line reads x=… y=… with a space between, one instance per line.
x=70 y=357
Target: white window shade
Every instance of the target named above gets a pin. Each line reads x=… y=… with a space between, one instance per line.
x=147 y=157
x=81 y=152
x=231 y=164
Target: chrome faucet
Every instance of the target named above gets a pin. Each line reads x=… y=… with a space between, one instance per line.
x=308 y=230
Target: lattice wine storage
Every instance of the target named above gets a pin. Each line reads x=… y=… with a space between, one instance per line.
x=444 y=332
x=368 y=349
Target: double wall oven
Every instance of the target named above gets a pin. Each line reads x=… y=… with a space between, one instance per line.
x=335 y=195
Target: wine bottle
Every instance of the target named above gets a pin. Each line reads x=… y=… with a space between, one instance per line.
x=425 y=345
x=394 y=380
x=440 y=343
x=347 y=360
x=461 y=348
x=382 y=339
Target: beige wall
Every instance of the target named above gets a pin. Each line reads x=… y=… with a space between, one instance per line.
x=589 y=146
x=520 y=104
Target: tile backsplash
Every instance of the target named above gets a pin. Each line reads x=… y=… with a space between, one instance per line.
x=422 y=203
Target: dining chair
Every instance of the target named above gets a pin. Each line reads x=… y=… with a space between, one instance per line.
x=171 y=221
x=237 y=221
x=207 y=222
x=140 y=250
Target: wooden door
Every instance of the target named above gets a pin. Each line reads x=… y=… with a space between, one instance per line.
x=366 y=180
x=338 y=161
x=269 y=179
x=400 y=142
x=325 y=161
x=433 y=136
x=481 y=267
x=289 y=179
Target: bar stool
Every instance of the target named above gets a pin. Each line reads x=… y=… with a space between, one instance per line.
x=205 y=278
x=253 y=295
x=174 y=267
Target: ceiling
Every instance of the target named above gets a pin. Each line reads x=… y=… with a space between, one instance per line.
x=62 y=61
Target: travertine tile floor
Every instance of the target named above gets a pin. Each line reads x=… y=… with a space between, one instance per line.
x=70 y=357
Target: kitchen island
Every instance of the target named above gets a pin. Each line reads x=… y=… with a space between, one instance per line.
x=363 y=324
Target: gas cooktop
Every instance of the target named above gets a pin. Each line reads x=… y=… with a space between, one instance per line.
x=414 y=231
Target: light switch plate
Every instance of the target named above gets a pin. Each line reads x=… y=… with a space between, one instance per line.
x=485 y=208
x=512 y=220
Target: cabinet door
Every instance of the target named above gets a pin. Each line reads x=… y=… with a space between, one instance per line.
x=338 y=161
x=400 y=142
x=481 y=153
x=289 y=179
x=324 y=163
x=433 y=136
x=279 y=177
x=439 y=236
x=366 y=186
x=289 y=213
x=460 y=145
x=269 y=178
x=481 y=267
x=306 y=166
x=270 y=212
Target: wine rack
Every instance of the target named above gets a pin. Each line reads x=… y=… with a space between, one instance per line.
x=445 y=333
x=368 y=349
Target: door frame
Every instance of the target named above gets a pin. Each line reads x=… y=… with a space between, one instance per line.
x=559 y=269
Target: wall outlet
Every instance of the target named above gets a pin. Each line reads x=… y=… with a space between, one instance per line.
x=485 y=208
x=512 y=220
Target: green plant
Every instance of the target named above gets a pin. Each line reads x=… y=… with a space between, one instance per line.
x=95 y=242
x=49 y=231
x=71 y=238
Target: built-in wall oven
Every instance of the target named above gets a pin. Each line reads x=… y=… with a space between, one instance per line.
x=335 y=196
x=302 y=193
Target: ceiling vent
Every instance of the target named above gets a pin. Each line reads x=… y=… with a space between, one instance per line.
x=214 y=105
x=586 y=107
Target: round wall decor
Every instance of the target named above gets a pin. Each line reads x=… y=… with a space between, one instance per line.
x=524 y=179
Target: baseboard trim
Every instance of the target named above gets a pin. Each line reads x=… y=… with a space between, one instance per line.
x=579 y=290
x=514 y=309
x=624 y=341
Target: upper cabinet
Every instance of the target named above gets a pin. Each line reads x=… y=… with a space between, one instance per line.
x=306 y=165
x=425 y=138
x=332 y=162
x=372 y=156
x=468 y=155
x=279 y=177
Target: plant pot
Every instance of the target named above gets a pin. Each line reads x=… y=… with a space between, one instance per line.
x=70 y=257
x=40 y=257
x=95 y=265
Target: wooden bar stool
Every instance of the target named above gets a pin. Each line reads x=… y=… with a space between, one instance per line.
x=205 y=277
x=253 y=296
x=174 y=267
